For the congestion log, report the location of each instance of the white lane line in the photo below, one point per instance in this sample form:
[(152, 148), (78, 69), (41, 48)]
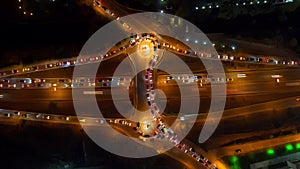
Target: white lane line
[(93, 92)]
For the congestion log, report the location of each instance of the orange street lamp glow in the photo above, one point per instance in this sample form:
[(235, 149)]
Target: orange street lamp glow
[(145, 48)]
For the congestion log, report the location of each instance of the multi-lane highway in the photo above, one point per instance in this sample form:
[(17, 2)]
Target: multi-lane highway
[(247, 85), (44, 92)]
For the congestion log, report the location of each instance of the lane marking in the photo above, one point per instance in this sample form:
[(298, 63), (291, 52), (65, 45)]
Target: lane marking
[(93, 92)]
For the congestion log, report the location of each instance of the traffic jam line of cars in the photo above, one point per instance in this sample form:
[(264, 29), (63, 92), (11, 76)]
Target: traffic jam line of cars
[(79, 82), (15, 114), (161, 131), (226, 57)]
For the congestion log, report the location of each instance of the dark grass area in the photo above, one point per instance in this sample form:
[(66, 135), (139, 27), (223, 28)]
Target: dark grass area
[(37, 145)]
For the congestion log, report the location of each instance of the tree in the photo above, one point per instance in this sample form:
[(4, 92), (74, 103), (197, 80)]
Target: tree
[(293, 43)]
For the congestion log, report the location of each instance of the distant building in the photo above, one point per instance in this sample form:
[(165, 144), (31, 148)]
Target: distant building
[(291, 161)]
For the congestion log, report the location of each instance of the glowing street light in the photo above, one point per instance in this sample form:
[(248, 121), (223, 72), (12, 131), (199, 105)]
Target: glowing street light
[(234, 159), (289, 147), (270, 152)]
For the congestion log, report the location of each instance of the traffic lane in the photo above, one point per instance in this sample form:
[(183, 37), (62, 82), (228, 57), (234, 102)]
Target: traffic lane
[(250, 119), (136, 23), (113, 6), (231, 128), (255, 81), (42, 101), (184, 158), (106, 68), (61, 101), (259, 145), (174, 152), (224, 139), (57, 94), (275, 106), (127, 131), (106, 107)]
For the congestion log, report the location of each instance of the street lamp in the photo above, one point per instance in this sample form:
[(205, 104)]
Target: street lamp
[(233, 47)]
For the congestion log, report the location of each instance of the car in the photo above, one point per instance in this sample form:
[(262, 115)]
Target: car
[(27, 115), (155, 108), (148, 96), (38, 116), (15, 71), (17, 113), (146, 77), (47, 117), (198, 159), (97, 2), (192, 149), (144, 35), (202, 157), (238, 150), (7, 114), (229, 79)]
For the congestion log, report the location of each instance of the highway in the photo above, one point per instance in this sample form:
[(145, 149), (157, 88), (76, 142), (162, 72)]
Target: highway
[(256, 83), (253, 95)]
